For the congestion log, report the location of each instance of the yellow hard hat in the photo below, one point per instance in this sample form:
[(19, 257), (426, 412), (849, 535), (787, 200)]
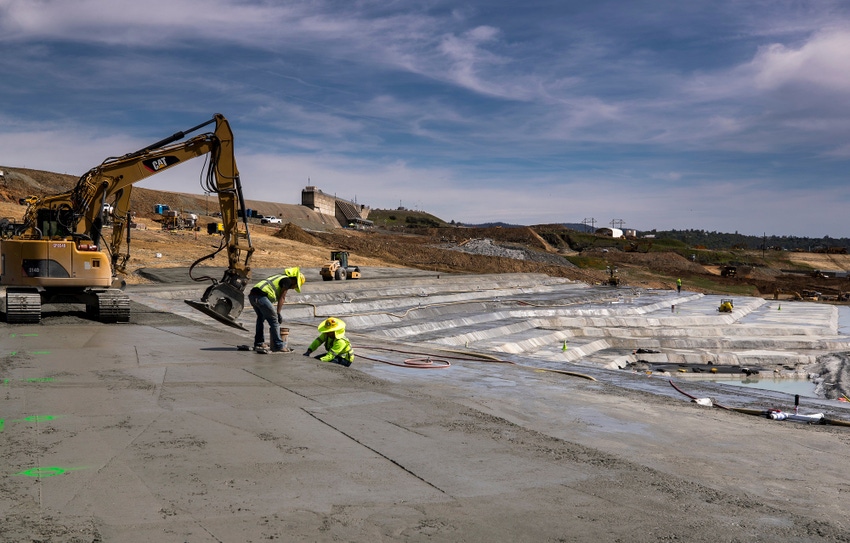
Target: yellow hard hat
[(331, 324), (296, 274)]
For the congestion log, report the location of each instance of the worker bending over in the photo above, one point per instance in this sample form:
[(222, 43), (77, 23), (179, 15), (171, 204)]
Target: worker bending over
[(267, 294), (332, 334)]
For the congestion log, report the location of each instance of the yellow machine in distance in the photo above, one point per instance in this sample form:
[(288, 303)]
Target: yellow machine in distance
[(338, 268)]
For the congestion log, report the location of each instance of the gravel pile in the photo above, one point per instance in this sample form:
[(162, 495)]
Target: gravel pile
[(831, 374), (486, 247)]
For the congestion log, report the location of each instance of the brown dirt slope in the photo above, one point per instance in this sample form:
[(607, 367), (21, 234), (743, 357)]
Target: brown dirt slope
[(308, 237), (292, 232), (522, 235), (419, 252)]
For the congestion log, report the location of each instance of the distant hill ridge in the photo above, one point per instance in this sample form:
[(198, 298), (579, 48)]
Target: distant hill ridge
[(19, 182)]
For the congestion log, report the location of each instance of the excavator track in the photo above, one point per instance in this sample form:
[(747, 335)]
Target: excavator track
[(23, 307), (113, 305)]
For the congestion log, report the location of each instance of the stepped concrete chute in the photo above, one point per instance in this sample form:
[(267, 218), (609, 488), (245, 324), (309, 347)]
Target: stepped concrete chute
[(531, 318)]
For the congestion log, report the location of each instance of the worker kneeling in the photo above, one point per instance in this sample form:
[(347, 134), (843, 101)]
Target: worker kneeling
[(332, 334)]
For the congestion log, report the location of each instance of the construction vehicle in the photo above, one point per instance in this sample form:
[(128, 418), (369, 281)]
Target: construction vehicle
[(613, 276), (58, 253), (728, 271), (175, 220), (726, 305), (338, 268), (810, 295)]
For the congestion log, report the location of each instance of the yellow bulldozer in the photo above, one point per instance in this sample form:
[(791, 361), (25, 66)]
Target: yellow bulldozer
[(338, 268)]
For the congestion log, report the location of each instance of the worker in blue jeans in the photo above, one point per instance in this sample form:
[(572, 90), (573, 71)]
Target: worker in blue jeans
[(267, 298)]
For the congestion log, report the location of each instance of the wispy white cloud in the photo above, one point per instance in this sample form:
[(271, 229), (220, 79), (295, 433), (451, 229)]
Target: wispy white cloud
[(822, 61), (592, 108)]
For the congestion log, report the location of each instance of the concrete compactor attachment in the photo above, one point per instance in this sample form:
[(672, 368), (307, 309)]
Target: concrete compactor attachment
[(222, 302)]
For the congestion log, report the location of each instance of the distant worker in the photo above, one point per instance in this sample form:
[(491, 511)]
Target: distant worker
[(263, 298), (332, 334), (679, 286)]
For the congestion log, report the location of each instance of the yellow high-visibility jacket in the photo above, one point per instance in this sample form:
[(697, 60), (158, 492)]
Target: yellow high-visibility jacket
[(336, 344)]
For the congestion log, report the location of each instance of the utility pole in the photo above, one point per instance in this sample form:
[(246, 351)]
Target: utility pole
[(592, 222), (617, 223)]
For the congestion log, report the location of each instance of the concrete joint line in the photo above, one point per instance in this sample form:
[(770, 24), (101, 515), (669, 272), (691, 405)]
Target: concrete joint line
[(279, 385), (382, 455)]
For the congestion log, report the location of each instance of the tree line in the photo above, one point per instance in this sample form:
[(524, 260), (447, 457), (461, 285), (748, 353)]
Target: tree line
[(724, 240)]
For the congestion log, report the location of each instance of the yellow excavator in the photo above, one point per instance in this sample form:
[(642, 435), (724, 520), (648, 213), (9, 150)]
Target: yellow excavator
[(58, 253)]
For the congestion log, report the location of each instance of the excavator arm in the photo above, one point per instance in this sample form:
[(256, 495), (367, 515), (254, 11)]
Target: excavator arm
[(77, 215)]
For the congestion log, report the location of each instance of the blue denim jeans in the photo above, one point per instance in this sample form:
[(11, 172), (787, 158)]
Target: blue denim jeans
[(266, 313)]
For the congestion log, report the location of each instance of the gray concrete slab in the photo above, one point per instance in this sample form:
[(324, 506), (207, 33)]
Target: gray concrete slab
[(160, 430)]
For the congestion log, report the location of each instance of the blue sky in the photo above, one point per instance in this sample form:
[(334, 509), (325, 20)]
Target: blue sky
[(722, 115)]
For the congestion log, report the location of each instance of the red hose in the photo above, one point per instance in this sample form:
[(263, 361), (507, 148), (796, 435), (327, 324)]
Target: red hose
[(427, 363)]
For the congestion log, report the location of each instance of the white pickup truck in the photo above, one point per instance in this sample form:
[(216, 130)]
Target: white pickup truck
[(271, 220)]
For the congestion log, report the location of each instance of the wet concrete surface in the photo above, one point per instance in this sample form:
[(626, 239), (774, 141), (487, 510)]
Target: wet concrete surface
[(160, 430)]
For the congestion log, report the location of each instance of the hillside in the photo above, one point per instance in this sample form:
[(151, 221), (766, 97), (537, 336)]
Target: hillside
[(420, 240)]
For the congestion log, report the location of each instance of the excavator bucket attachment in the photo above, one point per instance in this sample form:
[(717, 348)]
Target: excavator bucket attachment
[(223, 302)]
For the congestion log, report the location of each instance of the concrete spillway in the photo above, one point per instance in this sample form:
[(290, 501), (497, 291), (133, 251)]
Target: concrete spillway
[(553, 321), (162, 430)]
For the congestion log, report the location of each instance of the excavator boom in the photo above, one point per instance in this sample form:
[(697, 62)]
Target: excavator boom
[(55, 253)]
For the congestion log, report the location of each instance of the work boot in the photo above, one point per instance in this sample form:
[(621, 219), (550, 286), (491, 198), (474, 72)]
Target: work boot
[(284, 350)]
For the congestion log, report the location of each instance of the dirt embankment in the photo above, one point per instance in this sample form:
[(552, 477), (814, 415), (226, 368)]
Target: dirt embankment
[(308, 237), (419, 252)]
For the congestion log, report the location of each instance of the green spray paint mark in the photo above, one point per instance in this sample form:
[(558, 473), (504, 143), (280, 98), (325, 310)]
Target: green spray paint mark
[(6, 381), (49, 471), (36, 418), (42, 472), (23, 335), (32, 418)]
